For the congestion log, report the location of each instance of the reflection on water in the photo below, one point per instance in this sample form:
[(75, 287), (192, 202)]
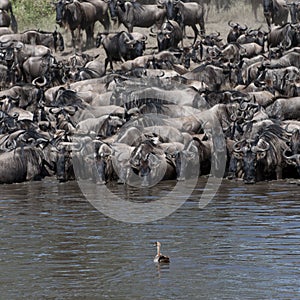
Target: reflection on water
[(243, 245)]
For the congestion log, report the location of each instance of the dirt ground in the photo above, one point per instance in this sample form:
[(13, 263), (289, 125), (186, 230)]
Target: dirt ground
[(217, 22)]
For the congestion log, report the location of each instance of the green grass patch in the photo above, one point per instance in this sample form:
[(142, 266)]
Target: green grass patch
[(38, 14)]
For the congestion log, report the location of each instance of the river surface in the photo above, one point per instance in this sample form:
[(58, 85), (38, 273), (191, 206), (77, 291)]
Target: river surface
[(245, 244)]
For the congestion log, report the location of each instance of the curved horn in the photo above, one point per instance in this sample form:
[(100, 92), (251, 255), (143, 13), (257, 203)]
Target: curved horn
[(160, 3), (74, 146), (39, 84), (236, 146), (11, 144), (15, 98), (144, 38), (55, 110), (231, 24), (19, 45), (215, 35), (130, 42), (70, 109), (152, 31), (259, 149), (15, 115), (243, 106), (243, 28), (294, 156)]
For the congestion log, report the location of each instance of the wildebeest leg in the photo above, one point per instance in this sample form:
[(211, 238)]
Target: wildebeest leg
[(267, 17), (278, 172), (73, 39), (108, 60), (79, 39), (101, 166), (254, 9), (129, 28), (61, 165), (195, 32), (207, 12), (105, 22), (14, 24), (89, 36), (232, 167), (202, 26)]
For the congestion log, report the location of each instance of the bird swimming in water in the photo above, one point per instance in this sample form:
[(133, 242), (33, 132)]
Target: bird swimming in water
[(159, 258)]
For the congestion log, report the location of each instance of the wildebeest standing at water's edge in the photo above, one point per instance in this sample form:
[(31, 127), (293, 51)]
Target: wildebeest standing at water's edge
[(240, 90)]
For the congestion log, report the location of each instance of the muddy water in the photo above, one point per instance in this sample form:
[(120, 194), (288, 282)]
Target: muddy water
[(245, 244)]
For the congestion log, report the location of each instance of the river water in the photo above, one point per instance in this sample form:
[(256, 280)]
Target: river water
[(245, 244)]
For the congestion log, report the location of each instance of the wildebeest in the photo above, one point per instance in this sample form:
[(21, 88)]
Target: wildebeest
[(169, 36), (285, 108), (53, 40), (151, 164), (290, 58), (262, 157), (118, 47), (73, 15), (275, 11), (22, 164), (235, 32), (39, 66), (7, 6), (102, 11), (215, 77), (287, 36), (134, 14), (186, 14)]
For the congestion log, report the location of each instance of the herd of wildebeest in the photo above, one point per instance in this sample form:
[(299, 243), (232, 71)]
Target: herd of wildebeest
[(144, 112)]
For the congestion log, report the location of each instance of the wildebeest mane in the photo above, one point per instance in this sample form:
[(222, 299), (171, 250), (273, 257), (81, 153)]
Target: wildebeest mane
[(153, 105), (65, 97), (272, 132)]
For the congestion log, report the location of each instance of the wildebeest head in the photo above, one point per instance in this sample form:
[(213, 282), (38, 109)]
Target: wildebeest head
[(250, 153), (60, 7), (8, 123), (267, 6), (64, 165), (103, 161), (235, 31), (146, 161), (171, 8), (182, 160), (292, 159)]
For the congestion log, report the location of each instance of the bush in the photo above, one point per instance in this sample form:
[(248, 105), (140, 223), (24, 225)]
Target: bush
[(38, 14)]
